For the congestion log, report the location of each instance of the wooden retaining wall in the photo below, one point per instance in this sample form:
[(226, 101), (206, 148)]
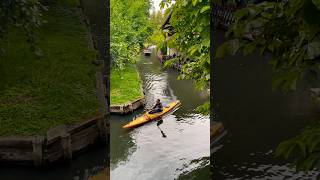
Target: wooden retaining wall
[(216, 129), (60, 143), (21, 149), (128, 107), (216, 132)]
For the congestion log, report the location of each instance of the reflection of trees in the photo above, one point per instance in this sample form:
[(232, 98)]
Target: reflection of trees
[(122, 142)]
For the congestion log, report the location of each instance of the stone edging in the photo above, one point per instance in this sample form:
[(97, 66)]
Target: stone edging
[(127, 107)]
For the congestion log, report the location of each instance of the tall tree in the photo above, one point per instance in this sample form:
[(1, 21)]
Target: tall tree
[(130, 28)]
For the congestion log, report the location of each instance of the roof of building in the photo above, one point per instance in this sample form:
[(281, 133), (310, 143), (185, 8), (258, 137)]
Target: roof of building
[(167, 20)]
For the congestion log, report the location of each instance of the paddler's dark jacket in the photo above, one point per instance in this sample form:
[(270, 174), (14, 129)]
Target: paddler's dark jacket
[(157, 106)]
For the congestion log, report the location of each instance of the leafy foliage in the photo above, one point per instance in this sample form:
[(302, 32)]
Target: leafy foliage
[(130, 28), (289, 30), (158, 36), (204, 108), (304, 148), (191, 22), (23, 14)]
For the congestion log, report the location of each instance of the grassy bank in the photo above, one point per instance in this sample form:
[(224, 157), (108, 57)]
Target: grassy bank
[(37, 93), (124, 85)]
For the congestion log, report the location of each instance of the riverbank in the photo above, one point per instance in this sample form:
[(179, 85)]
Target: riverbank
[(41, 92), (125, 85)]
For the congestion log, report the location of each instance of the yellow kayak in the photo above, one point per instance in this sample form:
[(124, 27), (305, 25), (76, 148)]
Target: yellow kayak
[(146, 117)]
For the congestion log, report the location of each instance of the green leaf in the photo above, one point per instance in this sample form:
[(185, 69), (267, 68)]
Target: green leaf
[(313, 50), (316, 3), (204, 108), (169, 63), (234, 46), (204, 9), (194, 2), (221, 50), (248, 49), (241, 13)]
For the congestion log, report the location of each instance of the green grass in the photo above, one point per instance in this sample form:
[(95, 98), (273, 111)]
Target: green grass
[(124, 85), (38, 93)]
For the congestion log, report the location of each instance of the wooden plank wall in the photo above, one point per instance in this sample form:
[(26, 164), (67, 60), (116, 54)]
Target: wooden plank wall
[(60, 143)]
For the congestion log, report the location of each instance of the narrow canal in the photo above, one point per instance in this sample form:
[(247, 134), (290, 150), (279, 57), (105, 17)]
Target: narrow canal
[(143, 153), (257, 119)]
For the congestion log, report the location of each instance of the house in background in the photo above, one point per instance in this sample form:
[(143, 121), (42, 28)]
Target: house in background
[(169, 31)]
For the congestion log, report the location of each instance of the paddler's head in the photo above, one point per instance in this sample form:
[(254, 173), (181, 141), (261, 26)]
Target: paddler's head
[(158, 100)]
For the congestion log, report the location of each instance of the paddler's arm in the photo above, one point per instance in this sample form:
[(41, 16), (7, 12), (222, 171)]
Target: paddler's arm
[(154, 106)]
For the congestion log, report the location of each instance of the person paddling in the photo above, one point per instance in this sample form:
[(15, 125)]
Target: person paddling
[(157, 107)]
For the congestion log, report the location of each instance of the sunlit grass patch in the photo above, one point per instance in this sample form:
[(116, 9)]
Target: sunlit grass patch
[(124, 85)]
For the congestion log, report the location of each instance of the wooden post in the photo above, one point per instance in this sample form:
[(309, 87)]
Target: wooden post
[(131, 107), (101, 93), (102, 104), (66, 145), (37, 146), (121, 110), (102, 127)]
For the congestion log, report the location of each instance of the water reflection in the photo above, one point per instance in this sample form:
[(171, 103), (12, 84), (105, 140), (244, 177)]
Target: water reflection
[(159, 122), (80, 168), (257, 119)]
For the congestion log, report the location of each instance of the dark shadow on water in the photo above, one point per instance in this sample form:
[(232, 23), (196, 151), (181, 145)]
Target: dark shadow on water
[(159, 122), (79, 168)]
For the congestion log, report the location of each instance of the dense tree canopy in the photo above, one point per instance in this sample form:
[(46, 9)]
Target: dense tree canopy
[(130, 28), (290, 32), (191, 22), (24, 14)]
